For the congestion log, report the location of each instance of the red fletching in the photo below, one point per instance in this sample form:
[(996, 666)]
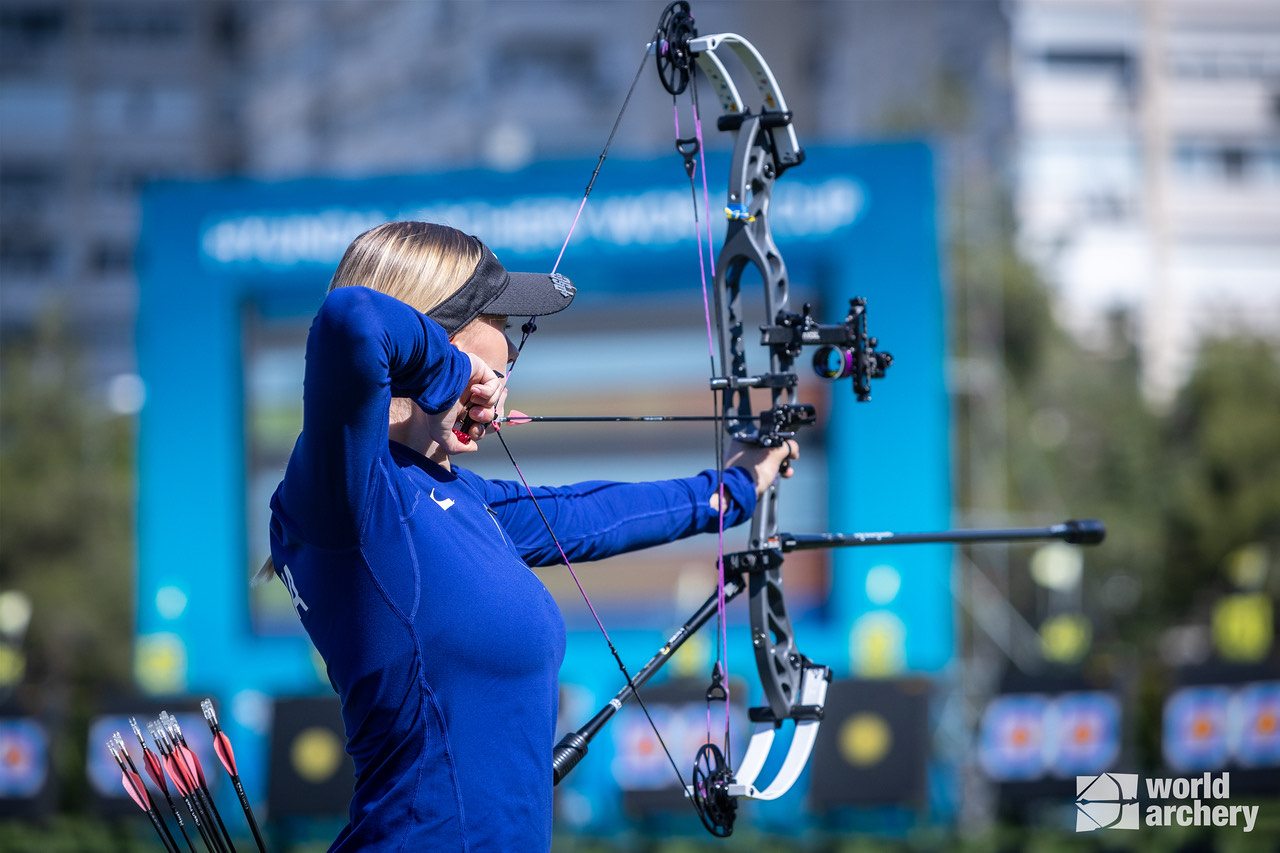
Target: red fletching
[(178, 774), (155, 770), (222, 746), (133, 787), (193, 764)]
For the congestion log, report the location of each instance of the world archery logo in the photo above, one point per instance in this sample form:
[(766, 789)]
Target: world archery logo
[(1107, 801), (562, 284)]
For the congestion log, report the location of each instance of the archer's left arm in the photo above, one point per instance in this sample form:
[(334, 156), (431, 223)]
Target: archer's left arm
[(599, 519)]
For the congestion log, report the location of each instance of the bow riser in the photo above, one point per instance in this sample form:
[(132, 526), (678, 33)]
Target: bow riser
[(755, 165)]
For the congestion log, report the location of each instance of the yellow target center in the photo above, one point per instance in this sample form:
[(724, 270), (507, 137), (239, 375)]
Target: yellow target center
[(865, 739), (316, 754)]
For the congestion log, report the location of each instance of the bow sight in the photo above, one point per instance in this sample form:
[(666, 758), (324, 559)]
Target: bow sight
[(845, 349)]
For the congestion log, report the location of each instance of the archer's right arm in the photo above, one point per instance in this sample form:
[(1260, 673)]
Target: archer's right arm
[(364, 348)]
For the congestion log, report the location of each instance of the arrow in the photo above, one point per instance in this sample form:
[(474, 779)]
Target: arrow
[(137, 791), (156, 771), (222, 746), (188, 759)]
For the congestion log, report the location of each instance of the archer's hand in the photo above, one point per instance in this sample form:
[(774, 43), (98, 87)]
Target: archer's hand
[(482, 402), (763, 463)]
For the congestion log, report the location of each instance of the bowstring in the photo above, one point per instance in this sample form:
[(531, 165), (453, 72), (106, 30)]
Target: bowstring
[(604, 152), (613, 650), (719, 442), (527, 330), (722, 645)]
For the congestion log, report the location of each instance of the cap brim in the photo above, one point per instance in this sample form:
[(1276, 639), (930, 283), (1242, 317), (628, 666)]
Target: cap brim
[(531, 294)]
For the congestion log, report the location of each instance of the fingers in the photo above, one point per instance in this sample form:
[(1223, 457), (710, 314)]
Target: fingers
[(481, 372), (765, 464), (790, 449), (452, 441), (484, 396), (480, 415), (480, 405)]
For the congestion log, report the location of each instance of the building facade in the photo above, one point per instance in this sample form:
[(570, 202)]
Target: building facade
[(1149, 167), (96, 99)]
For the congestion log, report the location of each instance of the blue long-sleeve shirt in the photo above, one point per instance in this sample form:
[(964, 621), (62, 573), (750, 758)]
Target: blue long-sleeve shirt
[(413, 583)]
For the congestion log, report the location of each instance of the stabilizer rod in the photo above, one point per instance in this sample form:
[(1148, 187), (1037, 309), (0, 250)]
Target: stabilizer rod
[(1086, 531), (572, 748)]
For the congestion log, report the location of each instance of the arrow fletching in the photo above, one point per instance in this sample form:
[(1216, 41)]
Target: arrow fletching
[(221, 743), (185, 755), (172, 765), (131, 781), (192, 761), (155, 770), (134, 788), (177, 774), (222, 746)]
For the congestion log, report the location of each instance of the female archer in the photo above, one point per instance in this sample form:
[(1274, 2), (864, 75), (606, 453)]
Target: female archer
[(411, 574)]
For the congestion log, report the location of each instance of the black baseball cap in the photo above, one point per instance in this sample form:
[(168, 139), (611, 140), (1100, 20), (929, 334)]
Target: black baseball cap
[(493, 290)]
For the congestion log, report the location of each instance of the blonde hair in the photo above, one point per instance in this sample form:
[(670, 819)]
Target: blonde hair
[(419, 263)]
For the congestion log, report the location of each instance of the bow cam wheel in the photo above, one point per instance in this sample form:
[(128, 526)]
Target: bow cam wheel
[(711, 780), (675, 63)]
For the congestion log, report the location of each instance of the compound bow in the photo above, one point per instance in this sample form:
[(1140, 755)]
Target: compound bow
[(794, 687)]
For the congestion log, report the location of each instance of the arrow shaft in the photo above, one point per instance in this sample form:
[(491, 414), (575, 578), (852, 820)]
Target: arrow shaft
[(563, 419), (248, 813)]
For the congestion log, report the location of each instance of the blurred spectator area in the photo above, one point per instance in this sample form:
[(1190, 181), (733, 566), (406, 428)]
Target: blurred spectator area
[(98, 98), (1140, 141)]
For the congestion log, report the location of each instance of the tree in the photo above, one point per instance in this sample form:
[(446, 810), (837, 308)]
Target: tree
[(66, 530), (1222, 443)]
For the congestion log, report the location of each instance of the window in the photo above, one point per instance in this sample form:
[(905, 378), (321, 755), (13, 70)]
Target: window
[(28, 33), (26, 254), (1095, 61), (26, 184), (1228, 161), (140, 25), (110, 259)]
